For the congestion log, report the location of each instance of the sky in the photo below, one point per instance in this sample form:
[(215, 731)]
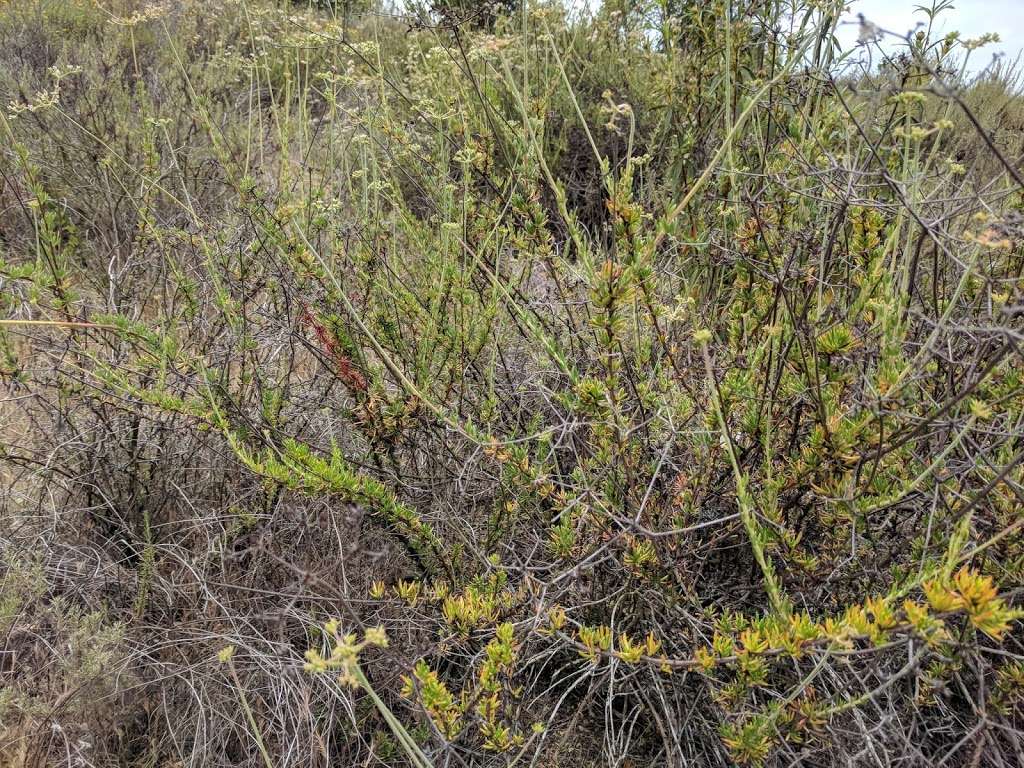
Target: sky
[(972, 18)]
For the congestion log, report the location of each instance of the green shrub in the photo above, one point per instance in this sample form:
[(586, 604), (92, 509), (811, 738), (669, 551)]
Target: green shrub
[(650, 378)]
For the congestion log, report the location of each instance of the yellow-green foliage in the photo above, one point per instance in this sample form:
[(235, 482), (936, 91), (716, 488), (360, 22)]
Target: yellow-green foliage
[(641, 383)]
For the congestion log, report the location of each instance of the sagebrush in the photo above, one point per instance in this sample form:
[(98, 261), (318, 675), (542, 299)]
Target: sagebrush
[(511, 383)]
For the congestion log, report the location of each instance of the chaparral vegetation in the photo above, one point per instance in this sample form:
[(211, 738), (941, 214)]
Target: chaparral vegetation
[(521, 383)]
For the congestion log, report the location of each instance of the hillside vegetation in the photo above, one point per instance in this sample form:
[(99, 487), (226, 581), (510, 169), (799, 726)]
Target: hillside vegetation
[(502, 384)]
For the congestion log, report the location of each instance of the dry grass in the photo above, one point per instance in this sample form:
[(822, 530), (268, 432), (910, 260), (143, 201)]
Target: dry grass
[(651, 380)]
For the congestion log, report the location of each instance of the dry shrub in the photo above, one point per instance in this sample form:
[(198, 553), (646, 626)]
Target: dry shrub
[(628, 387)]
